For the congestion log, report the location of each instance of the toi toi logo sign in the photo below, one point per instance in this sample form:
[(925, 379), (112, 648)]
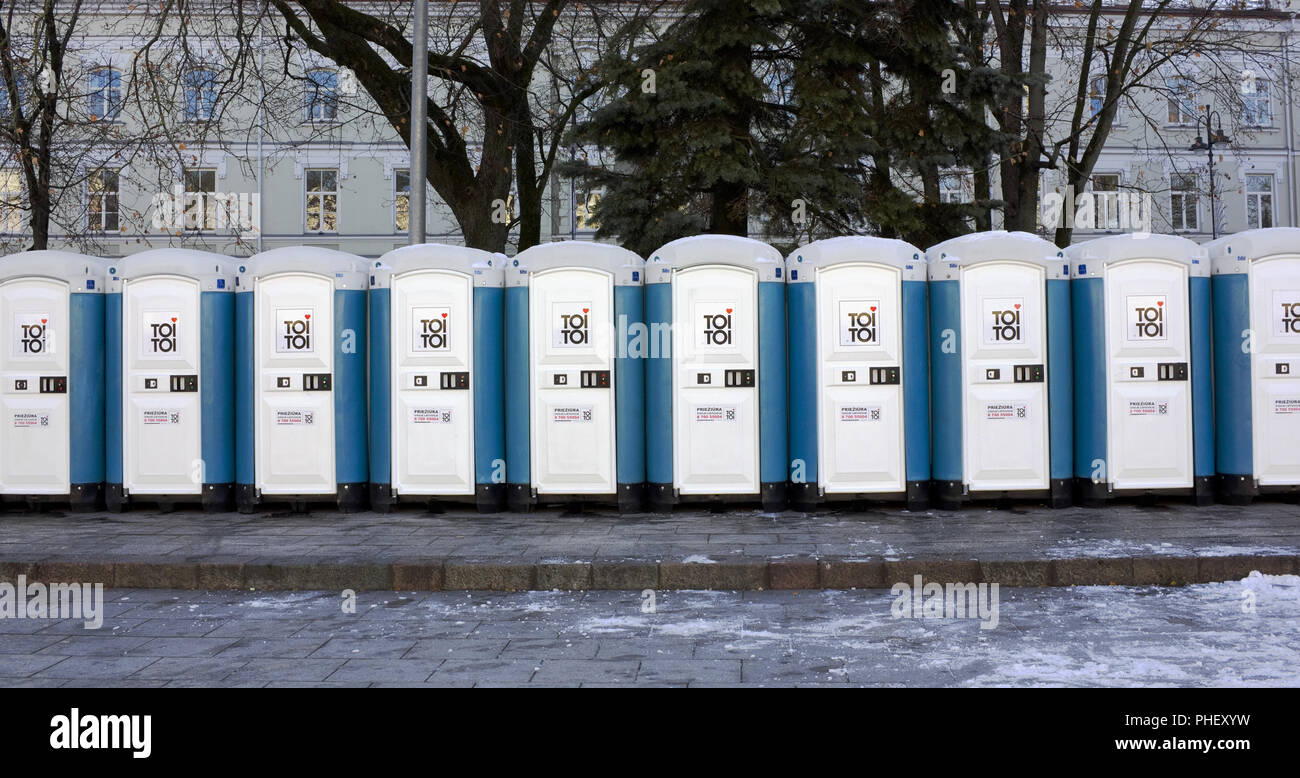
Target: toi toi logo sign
[(716, 329), (293, 335), (1287, 306), (1004, 320), (858, 322), (159, 332), (31, 330), (1146, 317), (572, 325), (431, 329)]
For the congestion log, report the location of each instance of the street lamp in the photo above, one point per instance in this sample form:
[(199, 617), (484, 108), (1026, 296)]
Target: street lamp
[(419, 127), (1212, 136)]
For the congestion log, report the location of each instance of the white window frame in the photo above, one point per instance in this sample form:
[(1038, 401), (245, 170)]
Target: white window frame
[(204, 104), (1262, 94), (1106, 209), (11, 202), (97, 223), (319, 105), (1192, 181), (324, 194), (398, 194), (1176, 85), (1271, 196), (200, 205)]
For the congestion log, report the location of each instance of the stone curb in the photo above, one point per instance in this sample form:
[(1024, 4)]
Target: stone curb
[(734, 574)]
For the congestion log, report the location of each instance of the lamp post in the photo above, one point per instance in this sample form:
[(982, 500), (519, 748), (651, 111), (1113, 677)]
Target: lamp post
[(419, 125), (1212, 136)]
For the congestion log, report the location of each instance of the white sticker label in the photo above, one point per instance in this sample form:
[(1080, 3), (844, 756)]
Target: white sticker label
[(27, 419), (293, 331), (723, 413), (1147, 408), (294, 418), (859, 413), (152, 416), (431, 415), (158, 333), (858, 322), (571, 414), (31, 334), (1006, 411), (430, 329), (1145, 315), (1285, 406)]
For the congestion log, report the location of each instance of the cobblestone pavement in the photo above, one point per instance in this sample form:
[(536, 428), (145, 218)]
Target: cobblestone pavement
[(1228, 634), (1021, 532)]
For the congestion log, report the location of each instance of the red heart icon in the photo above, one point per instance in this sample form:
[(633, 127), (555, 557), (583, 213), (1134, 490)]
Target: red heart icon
[(444, 316), (728, 310), (308, 315), (173, 318), (42, 321), (1017, 306), (584, 310), (873, 307), (1160, 302)]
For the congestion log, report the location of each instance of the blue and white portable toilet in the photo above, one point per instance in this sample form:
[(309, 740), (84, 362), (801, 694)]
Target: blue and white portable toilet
[(170, 358), (1000, 368), (436, 406), (716, 378), (575, 386), (1142, 404), (859, 372), (1256, 279), (52, 379), (300, 378)]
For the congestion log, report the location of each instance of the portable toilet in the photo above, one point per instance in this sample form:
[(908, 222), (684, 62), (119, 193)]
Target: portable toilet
[(436, 405), (716, 377), (1142, 403), (1000, 368), (52, 371), (170, 360), (575, 387), (859, 372), (1256, 279), (300, 378)]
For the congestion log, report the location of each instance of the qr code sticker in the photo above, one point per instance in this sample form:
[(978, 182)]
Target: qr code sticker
[(1020, 413), (731, 414), (586, 414), (446, 416), (176, 418), (1163, 409), (307, 418), (875, 414), (45, 421)]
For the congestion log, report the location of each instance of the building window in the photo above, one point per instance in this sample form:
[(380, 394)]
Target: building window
[(1255, 108), (102, 187), (24, 94), (1105, 197), (200, 94), (402, 200), (1184, 213), (320, 97), (1096, 95), (105, 97), (1182, 101), (956, 188), (11, 201), (1259, 201), (201, 199), (322, 200), (585, 212)]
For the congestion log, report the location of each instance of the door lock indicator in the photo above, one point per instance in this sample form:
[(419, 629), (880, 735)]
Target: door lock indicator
[(560, 379), (316, 382), (54, 384), (992, 374), (184, 383), (420, 380), (849, 376), (739, 378), (1172, 371), (595, 379), (884, 376), (283, 382), (1028, 374), (20, 385), (704, 378), (1283, 368), (454, 381), (151, 383), (1137, 372)]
